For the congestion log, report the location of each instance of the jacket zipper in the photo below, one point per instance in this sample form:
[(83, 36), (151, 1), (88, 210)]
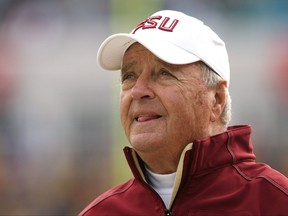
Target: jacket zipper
[(168, 212)]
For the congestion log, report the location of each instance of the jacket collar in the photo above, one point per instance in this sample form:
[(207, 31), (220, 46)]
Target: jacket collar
[(204, 155), (229, 147)]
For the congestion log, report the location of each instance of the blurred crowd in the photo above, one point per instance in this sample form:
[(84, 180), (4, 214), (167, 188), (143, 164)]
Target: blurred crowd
[(60, 136)]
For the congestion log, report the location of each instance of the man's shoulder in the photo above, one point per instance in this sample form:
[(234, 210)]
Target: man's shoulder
[(106, 196), (261, 171)]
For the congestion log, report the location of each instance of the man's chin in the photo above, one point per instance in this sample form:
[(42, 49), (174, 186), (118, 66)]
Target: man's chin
[(146, 142)]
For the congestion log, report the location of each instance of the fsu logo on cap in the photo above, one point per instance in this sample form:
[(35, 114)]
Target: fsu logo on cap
[(157, 22)]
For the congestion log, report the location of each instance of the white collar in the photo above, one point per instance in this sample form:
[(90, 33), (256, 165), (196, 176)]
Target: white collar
[(160, 181)]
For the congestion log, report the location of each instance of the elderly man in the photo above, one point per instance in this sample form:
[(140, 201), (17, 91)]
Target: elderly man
[(175, 107)]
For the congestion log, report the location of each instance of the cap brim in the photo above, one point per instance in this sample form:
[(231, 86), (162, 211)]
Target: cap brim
[(111, 51)]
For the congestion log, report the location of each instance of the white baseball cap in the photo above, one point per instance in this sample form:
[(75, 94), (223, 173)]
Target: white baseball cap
[(172, 36)]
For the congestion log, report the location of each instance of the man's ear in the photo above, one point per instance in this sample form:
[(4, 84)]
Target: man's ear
[(219, 100)]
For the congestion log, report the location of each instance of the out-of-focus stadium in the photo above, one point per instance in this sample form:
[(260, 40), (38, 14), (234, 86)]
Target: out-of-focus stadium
[(60, 133)]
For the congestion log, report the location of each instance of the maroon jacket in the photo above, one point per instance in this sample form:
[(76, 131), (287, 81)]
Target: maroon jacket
[(217, 176)]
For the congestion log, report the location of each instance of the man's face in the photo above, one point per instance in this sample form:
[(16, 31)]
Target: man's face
[(163, 107)]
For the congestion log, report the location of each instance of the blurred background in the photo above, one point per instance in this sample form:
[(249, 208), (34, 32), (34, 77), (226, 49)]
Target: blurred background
[(60, 135)]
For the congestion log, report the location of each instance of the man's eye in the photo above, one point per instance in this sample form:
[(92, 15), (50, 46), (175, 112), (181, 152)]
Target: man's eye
[(127, 76), (165, 72)]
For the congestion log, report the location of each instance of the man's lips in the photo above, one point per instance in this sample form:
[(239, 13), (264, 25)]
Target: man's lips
[(146, 117)]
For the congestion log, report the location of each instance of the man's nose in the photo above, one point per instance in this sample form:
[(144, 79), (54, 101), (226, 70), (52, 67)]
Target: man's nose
[(143, 88)]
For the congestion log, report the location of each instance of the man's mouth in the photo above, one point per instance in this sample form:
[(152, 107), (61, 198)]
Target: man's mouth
[(145, 118)]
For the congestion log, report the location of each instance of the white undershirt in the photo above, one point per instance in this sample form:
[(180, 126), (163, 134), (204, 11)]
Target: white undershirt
[(162, 184)]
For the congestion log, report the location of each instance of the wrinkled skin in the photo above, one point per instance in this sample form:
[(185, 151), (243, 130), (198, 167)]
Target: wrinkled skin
[(164, 107)]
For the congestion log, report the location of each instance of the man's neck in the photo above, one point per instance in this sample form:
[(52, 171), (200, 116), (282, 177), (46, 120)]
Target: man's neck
[(160, 164)]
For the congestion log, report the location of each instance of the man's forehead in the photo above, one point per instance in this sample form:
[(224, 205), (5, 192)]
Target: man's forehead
[(134, 49), (158, 62)]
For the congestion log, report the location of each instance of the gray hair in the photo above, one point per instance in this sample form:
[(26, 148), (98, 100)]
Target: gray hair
[(211, 79)]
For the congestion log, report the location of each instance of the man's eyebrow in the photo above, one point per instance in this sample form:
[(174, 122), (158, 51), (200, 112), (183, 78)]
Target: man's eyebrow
[(127, 66), (166, 64)]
